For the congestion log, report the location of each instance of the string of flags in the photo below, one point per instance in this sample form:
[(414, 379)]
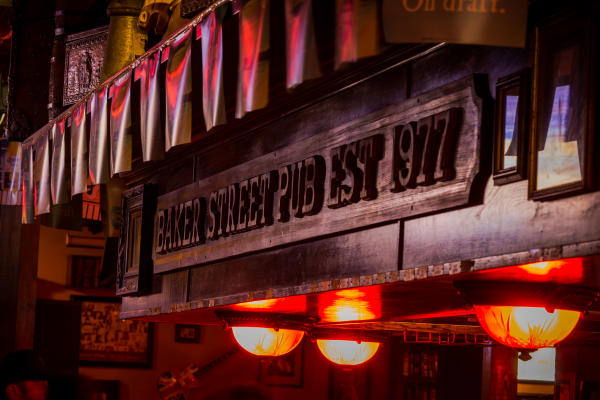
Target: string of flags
[(91, 142)]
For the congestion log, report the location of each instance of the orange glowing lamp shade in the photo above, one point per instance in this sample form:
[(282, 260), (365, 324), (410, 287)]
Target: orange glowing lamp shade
[(267, 341), (526, 327), (347, 352)]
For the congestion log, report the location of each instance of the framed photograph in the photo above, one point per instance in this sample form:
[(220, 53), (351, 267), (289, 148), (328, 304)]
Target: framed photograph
[(348, 383), (285, 370), (98, 389), (187, 333), (561, 147), (107, 340), (511, 133), (84, 271), (134, 259)]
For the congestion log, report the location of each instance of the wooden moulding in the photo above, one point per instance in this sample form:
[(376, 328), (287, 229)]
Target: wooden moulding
[(403, 177), (146, 307), (138, 207)]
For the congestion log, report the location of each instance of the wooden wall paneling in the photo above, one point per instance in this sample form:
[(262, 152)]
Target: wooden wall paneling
[(456, 61), (359, 253), (18, 272), (169, 289), (506, 223)]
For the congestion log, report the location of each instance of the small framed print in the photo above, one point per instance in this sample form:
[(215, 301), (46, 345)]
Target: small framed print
[(107, 340), (187, 333), (286, 370), (85, 271), (134, 259), (350, 383), (561, 146), (511, 133)]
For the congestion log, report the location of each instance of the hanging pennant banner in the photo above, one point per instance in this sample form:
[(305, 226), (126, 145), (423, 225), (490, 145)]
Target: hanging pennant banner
[(79, 150), (42, 175), (491, 23), (148, 73), (213, 102), (301, 47), (253, 66), (27, 186), (120, 124), (356, 30), (178, 90), (10, 173), (60, 172), (97, 107)]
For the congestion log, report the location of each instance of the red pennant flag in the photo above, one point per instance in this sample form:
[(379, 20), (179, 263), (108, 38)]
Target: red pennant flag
[(253, 68)]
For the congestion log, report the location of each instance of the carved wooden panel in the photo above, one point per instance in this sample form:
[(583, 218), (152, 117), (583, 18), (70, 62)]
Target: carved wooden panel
[(84, 57), (412, 158), (134, 262)]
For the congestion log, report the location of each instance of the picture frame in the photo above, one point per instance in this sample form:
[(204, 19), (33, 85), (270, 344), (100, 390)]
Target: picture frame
[(95, 389), (511, 127), (187, 333), (84, 271), (566, 389), (286, 370), (134, 255), (345, 383), (562, 133), (106, 340)]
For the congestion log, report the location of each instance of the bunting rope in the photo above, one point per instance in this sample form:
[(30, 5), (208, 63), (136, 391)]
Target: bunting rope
[(131, 66)]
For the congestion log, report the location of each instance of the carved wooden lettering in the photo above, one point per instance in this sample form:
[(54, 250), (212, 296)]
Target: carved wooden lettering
[(413, 158)]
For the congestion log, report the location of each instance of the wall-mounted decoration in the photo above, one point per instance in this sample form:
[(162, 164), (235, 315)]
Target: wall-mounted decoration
[(188, 333), (84, 271), (510, 141), (286, 370), (98, 389), (134, 263), (563, 126), (349, 383), (107, 340), (84, 57)]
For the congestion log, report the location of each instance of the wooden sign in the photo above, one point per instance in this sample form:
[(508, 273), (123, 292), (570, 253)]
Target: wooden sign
[(484, 22), (408, 159)]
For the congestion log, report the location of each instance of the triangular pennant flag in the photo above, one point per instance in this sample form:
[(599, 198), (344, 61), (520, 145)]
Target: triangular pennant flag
[(253, 67), (79, 150), (213, 102), (99, 137), (301, 47), (151, 125)]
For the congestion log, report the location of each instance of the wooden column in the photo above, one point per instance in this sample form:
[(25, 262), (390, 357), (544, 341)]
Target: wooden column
[(18, 273), (499, 373)]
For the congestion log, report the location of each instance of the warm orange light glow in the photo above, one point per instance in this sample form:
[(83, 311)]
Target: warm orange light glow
[(571, 268), (347, 352), (268, 303), (267, 341), (351, 305), (526, 327)]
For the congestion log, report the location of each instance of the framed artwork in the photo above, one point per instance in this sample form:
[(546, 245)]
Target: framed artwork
[(590, 390), (511, 133), (107, 340), (84, 271), (134, 260), (348, 383), (285, 370), (98, 389), (188, 333), (561, 147)]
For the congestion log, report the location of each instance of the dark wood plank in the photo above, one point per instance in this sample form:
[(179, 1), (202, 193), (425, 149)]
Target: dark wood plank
[(354, 254), (389, 204)]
